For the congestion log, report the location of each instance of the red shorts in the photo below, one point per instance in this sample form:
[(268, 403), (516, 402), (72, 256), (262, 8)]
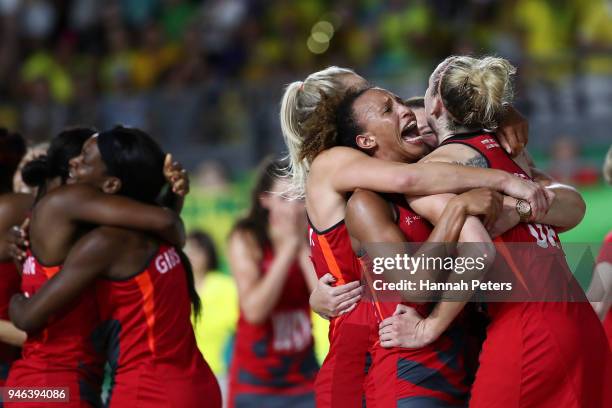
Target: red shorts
[(543, 355), (162, 389), (431, 376), (341, 379)]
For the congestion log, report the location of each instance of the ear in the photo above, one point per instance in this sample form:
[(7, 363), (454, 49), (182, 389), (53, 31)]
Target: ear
[(264, 200), (366, 141), (111, 185), (438, 107)]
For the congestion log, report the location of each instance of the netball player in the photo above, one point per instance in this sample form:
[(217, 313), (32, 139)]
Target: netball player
[(535, 354), (325, 172), (370, 219), (13, 210), (144, 288), (62, 354), (273, 364)]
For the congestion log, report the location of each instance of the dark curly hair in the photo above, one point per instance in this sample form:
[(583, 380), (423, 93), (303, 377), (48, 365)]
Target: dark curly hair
[(332, 124)]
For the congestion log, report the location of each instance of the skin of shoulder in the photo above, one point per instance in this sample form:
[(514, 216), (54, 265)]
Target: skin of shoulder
[(129, 249), (14, 207), (456, 153), (243, 240), (370, 218)]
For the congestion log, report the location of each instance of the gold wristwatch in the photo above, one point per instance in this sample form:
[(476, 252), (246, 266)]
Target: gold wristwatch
[(523, 208)]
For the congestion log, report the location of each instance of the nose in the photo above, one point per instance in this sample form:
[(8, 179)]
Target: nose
[(407, 113), (74, 162)]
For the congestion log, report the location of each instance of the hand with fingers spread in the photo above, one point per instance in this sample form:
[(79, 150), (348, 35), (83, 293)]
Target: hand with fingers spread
[(176, 176), (406, 328), (18, 241), (513, 131), (481, 202), (329, 301)]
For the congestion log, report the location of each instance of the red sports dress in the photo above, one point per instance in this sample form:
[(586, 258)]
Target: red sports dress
[(537, 354), (605, 255), (151, 347), (62, 354), (274, 363), (431, 376), (10, 282), (341, 379)]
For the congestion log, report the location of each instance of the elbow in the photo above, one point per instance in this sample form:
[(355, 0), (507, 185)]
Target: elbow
[(22, 322), (18, 313), (405, 182), (173, 229), (580, 211)]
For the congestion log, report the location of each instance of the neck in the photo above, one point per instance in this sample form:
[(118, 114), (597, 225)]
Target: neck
[(446, 130)]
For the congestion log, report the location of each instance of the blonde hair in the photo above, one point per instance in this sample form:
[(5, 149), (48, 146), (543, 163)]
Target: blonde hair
[(298, 104), (474, 90), (607, 167)]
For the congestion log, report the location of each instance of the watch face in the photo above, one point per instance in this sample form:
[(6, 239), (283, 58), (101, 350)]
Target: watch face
[(523, 207)]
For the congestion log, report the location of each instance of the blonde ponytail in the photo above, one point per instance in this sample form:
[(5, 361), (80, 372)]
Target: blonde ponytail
[(298, 104), (297, 167), (475, 90)]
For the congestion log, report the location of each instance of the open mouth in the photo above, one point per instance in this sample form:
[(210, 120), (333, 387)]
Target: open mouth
[(410, 133)]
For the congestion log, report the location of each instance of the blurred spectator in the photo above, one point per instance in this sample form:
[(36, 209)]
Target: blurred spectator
[(41, 115), (567, 166), (216, 325), (211, 176), (210, 72)]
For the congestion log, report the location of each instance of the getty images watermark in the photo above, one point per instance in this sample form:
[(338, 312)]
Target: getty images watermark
[(482, 272)]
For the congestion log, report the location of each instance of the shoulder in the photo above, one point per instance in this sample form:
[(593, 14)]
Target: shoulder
[(336, 156), (458, 154), (16, 201), (14, 207), (67, 193), (106, 238), (365, 203), (242, 238)]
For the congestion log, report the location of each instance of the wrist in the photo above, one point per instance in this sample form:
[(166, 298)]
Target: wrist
[(456, 204), (433, 329), (510, 209), (505, 182)]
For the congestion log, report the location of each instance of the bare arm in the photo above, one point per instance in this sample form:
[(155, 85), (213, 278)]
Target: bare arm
[(310, 276), (259, 293), (429, 329), (349, 169), (566, 210), (9, 334), (568, 206), (87, 260), (85, 204)]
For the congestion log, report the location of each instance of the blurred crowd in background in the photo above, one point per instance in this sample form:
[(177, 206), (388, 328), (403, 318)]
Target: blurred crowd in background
[(205, 78)]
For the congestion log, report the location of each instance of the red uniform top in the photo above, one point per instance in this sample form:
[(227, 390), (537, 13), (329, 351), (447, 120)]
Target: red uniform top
[(276, 356), (416, 229), (331, 252), (544, 236), (10, 282), (433, 373), (539, 353), (63, 353), (150, 342)]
